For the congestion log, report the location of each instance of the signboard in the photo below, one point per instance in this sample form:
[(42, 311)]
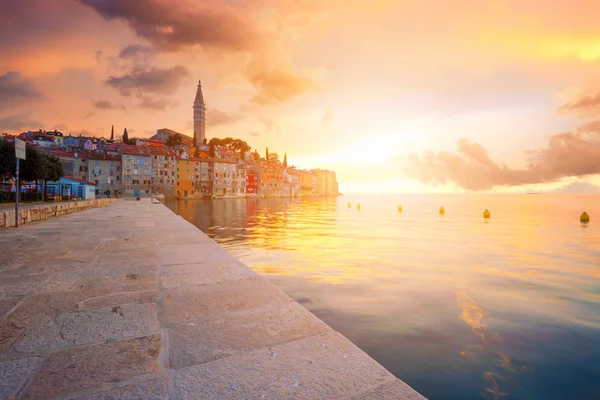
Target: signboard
[(20, 149)]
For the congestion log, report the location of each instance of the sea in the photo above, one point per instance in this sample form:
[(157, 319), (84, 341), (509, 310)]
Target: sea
[(456, 305)]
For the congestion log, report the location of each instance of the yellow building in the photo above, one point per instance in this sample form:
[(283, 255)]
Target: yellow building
[(185, 178)]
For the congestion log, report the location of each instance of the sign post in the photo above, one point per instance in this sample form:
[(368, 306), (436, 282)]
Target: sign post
[(20, 155)]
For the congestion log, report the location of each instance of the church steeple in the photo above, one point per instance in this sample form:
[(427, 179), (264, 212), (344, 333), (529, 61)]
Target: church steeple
[(199, 115)]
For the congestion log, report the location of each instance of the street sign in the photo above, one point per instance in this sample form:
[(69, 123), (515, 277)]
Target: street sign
[(20, 149)]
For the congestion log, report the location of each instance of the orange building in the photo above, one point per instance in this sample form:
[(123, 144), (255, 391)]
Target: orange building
[(184, 178)]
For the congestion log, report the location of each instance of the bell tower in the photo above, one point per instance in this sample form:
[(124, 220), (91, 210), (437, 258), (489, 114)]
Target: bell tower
[(199, 115)]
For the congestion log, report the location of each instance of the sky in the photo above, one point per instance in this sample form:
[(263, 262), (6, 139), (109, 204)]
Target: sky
[(395, 96)]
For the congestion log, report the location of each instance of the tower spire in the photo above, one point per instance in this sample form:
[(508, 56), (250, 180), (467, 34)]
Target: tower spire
[(199, 116), (199, 97)]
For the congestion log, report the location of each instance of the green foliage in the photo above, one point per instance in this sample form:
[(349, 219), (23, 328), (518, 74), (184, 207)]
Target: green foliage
[(7, 160), (235, 145), (174, 140), (125, 137), (37, 165), (272, 157)]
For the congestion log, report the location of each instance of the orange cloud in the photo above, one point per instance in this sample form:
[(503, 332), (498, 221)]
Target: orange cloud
[(568, 154)]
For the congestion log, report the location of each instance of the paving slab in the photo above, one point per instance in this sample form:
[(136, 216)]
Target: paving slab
[(187, 304), (174, 276), (92, 366), (323, 366), (87, 327), (154, 388), (14, 375), (240, 331)]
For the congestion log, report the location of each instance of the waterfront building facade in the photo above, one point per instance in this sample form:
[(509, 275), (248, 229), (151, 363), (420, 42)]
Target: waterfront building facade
[(136, 169)]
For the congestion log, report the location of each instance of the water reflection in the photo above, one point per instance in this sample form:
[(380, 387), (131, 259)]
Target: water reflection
[(459, 306)]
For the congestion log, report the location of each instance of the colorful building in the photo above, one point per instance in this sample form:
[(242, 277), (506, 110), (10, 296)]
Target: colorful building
[(136, 169), (184, 178)]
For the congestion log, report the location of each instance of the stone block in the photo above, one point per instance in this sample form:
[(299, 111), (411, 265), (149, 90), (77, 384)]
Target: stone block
[(393, 390), (154, 388), (193, 253), (90, 326), (14, 375), (7, 304), (209, 339), (318, 367), (203, 273), (113, 299), (187, 304), (89, 367)]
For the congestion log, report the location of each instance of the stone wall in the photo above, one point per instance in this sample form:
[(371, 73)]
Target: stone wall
[(46, 211)]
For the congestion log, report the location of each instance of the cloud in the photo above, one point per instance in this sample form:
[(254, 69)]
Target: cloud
[(578, 187), (89, 115), (216, 117), (105, 105), (155, 104), (255, 134), (154, 80), (15, 89), (134, 51), (568, 154), (18, 122), (237, 29), (585, 105), (98, 56)]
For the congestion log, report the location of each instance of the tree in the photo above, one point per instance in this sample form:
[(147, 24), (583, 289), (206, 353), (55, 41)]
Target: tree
[(54, 170), (174, 140), (205, 141), (125, 137), (256, 155), (112, 133), (195, 142), (267, 155), (285, 160), (273, 157), (211, 149), (7, 160)]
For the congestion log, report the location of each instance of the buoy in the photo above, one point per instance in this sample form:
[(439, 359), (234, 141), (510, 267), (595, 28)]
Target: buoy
[(584, 217), (442, 210), (486, 213), (358, 206), (399, 208), (304, 202), (349, 205)]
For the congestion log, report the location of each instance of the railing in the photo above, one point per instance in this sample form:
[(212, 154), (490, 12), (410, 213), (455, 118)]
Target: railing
[(9, 197)]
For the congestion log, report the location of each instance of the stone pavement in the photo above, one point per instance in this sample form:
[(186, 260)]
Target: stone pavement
[(131, 301)]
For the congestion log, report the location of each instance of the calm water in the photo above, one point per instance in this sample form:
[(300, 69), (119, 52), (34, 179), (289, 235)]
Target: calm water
[(455, 306)]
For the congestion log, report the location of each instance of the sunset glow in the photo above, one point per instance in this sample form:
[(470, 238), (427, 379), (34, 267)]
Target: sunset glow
[(395, 96)]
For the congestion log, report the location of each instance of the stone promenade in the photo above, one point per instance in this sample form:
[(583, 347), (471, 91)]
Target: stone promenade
[(131, 301)]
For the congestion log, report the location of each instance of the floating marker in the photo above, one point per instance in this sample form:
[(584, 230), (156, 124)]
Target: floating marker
[(399, 208), (358, 206), (442, 210), (304, 202), (584, 217), (486, 213), (349, 205)]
